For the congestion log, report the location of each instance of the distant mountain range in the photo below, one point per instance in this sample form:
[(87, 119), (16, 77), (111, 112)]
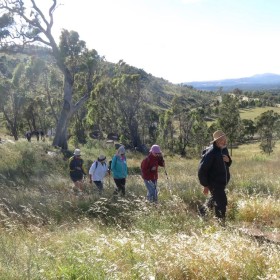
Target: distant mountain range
[(266, 81)]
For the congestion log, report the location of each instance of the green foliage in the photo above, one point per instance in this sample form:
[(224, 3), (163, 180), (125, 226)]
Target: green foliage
[(6, 20), (268, 128), (24, 160), (70, 45), (229, 119), (253, 112)]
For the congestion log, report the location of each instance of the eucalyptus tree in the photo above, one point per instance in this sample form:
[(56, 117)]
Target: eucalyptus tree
[(249, 129), (35, 103), (149, 125), (268, 127), (43, 84), (117, 103), (166, 130), (229, 119), (12, 100), (200, 133), (24, 23), (185, 115)]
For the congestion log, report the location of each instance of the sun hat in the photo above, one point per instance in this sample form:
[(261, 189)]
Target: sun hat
[(217, 135), (101, 157), (77, 152), (155, 149)]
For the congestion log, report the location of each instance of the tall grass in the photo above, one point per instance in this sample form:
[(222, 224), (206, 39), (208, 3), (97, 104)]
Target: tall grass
[(85, 251), (48, 233)]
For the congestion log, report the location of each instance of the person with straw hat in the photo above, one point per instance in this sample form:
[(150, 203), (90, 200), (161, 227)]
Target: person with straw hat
[(214, 175), (97, 172)]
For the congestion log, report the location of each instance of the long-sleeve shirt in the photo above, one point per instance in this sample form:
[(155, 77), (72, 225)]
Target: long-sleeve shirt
[(149, 167), (119, 167), (213, 171), (98, 171), (76, 166)]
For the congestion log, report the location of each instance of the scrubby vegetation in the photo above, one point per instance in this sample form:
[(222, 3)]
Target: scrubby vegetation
[(48, 233)]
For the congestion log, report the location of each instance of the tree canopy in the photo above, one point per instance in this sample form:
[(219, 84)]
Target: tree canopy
[(23, 23)]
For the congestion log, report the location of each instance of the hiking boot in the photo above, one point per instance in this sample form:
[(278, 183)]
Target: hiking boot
[(222, 222), (202, 211)]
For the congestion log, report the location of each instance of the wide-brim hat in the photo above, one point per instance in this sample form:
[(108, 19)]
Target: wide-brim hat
[(217, 135), (77, 152), (155, 149), (101, 157)]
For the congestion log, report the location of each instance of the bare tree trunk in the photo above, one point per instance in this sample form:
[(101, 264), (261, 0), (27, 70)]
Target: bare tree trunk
[(13, 125), (49, 100), (135, 138), (61, 133)]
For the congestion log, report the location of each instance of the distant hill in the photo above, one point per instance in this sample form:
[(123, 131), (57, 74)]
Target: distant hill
[(159, 92), (266, 81)]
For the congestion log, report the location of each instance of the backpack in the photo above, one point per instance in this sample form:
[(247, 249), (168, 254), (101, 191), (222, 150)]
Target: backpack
[(109, 165), (204, 152), (96, 163)]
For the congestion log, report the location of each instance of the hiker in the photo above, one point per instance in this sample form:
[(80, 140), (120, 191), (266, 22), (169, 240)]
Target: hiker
[(149, 170), (119, 170), (28, 136), (42, 134), (213, 174), (97, 172), (36, 133), (77, 170)]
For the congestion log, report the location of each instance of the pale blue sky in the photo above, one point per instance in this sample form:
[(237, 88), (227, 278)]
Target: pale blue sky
[(180, 40)]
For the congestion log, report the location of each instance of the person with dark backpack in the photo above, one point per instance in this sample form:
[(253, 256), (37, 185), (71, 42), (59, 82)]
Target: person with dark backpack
[(149, 170), (214, 175), (97, 172)]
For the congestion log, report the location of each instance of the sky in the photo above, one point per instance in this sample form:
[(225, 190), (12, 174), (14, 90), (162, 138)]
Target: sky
[(179, 40)]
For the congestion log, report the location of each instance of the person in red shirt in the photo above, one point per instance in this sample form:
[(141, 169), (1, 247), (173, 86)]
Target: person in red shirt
[(149, 169)]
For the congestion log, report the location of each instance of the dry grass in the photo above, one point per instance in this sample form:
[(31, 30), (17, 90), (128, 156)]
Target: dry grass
[(87, 251), (47, 233)]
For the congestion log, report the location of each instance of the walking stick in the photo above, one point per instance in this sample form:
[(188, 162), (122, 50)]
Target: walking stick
[(167, 180), (109, 171), (166, 173)]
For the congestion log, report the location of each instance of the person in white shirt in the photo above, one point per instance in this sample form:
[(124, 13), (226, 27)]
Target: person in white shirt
[(97, 172)]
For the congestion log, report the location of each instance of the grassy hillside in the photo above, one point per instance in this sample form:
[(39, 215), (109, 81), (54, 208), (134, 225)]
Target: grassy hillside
[(159, 91), (252, 113), (48, 233)]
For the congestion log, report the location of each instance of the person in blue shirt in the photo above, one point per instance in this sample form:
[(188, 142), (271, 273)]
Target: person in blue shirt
[(119, 170)]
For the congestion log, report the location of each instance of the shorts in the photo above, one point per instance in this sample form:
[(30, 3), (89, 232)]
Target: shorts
[(75, 177)]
